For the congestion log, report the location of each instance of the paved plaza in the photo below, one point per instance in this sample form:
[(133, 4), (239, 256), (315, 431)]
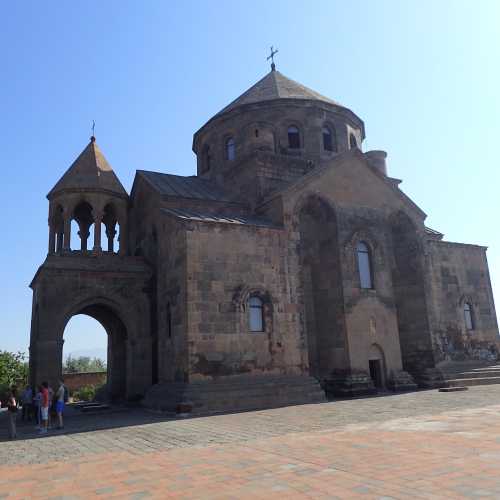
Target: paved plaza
[(418, 445)]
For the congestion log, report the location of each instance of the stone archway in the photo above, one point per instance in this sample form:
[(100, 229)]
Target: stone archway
[(116, 346), (321, 281), (113, 291), (409, 284)]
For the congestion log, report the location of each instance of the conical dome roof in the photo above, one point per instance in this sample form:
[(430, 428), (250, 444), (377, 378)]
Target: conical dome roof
[(91, 172), (273, 86)]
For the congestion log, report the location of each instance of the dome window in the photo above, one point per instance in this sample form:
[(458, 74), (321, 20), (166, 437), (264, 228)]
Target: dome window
[(353, 143), (293, 137), (230, 149), (329, 140)]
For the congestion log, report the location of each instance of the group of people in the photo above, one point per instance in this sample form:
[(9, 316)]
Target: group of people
[(39, 404)]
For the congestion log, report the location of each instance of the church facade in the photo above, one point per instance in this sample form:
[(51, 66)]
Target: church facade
[(289, 265)]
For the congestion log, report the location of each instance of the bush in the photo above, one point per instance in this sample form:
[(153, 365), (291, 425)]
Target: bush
[(86, 393)]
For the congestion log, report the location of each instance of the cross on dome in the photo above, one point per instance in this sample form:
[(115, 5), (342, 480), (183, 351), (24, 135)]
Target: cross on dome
[(273, 66)]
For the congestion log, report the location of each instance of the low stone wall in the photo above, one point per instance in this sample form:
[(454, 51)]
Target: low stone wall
[(74, 381)]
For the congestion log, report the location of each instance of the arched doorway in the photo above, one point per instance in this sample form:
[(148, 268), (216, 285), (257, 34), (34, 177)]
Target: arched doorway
[(322, 287), (116, 366)]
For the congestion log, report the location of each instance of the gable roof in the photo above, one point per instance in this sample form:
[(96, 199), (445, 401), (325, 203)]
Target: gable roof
[(320, 170), (90, 171), (185, 187), (273, 86)]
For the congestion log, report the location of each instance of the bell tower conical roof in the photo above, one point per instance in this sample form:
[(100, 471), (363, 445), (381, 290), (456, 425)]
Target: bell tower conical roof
[(89, 172)]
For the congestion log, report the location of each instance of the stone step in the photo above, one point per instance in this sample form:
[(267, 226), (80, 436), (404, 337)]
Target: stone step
[(473, 374), (236, 394), (228, 382), (96, 408), (468, 382), (246, 393), (256, 403)]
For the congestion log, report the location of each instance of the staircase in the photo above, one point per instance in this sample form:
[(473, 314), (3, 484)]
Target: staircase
[(470, 373)]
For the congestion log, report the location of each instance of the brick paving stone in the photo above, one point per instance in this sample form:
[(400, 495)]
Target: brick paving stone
[(419, 445)]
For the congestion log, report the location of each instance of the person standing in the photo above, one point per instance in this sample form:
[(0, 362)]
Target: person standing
[(60, 400), (26, 401), (44, 409), (12, 413), (37, 405), (51, 406)]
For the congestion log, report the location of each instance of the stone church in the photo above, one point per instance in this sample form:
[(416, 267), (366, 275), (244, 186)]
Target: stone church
[(290, 265)]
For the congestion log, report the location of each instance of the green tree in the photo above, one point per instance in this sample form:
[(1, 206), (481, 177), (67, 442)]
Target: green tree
[(83, 364), (13, 371)]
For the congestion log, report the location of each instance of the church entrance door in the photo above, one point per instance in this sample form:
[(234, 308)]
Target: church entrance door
[(376, 373)]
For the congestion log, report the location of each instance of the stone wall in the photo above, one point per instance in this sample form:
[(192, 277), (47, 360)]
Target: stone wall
[(226, 264), (460, 275), (364, 202), (74, 381)]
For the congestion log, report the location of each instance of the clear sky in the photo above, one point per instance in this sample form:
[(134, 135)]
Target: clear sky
[(423, 75)]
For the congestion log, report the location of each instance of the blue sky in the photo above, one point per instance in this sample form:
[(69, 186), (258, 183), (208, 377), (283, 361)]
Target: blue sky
[(423, 75)]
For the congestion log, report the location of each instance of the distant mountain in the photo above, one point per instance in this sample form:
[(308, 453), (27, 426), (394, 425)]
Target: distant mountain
[(91, 353)]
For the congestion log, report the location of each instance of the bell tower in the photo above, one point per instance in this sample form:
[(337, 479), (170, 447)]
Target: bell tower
[(92, 273), (91, 194)]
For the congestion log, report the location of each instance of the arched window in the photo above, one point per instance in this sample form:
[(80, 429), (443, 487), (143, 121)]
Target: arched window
[(256, 311), (353, 143), (364, 265), (468, 316), (230, 149), (293, 137), (329, 140)]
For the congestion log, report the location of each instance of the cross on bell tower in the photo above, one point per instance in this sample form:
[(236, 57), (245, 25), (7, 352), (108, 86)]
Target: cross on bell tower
[(273, 66)]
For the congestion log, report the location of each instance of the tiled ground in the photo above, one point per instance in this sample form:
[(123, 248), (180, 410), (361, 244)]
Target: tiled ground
[(420, 445)]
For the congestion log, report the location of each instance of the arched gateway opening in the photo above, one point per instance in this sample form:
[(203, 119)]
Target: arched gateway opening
[(116, 384)]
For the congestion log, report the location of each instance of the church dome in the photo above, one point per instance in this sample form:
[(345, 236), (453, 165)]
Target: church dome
[(280, 116), (275, 86)]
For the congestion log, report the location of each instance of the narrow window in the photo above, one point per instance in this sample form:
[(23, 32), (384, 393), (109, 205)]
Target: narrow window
[(256, 314), (327, 139), (169, 321), (230, 149), (293, 137), (364, 265), (469, 320), (206, 159), (353, 143)]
